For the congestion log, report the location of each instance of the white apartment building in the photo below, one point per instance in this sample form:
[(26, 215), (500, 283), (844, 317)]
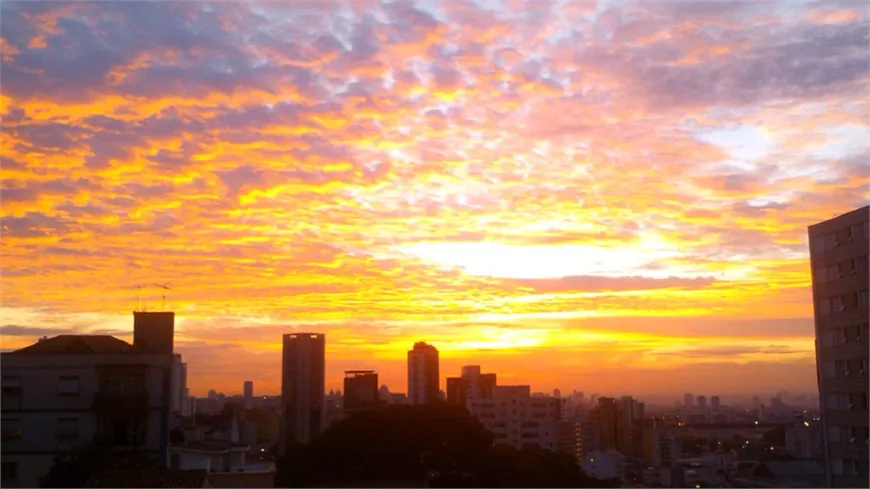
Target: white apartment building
[(517, 418), (72, 390)]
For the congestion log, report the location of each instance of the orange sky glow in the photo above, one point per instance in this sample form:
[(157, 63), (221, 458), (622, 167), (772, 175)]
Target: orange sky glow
[(596, 195)]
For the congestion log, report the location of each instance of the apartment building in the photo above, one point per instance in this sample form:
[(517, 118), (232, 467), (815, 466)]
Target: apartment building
[(423, 378), (72, 390), (839, 262), (517, 418)]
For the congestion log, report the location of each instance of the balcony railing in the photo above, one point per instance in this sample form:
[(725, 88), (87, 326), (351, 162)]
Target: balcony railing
[(123, 401)]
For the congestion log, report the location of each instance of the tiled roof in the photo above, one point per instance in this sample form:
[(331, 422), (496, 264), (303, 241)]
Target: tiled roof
[(68, 344), (157, 477)]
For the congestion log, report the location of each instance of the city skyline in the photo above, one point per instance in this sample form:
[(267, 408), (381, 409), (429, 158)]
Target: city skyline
[(562, 192)]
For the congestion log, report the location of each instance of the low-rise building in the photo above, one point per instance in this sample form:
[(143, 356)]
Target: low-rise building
[(72, 390)]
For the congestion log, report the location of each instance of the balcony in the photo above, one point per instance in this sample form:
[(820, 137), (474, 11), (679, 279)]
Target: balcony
[(121, 401)]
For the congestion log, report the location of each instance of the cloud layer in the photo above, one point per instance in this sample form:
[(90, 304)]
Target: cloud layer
[(488, 176)]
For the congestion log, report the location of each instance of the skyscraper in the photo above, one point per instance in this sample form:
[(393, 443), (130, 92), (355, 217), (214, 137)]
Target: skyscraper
[(423, 379), (838, 258), (302, 387), (249, 394), (714, 402), (688, 399)]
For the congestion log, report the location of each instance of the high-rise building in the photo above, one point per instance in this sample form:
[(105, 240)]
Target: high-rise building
[(839, 261), (178, 394), (688, 399), (628, 439), (302, 387), (423, 379), (714, 402), (702, 402), (608, 418), (360, 389), (249, 394)]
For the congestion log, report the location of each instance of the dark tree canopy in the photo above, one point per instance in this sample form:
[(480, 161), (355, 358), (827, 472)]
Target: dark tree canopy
[(74, 469), (442, 444)]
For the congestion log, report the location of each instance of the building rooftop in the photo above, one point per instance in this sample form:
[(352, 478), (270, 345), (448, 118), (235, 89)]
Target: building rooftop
[(209, 446), (156, 477), (68, 344)]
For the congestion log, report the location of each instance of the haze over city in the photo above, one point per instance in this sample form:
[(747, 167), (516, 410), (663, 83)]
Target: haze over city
[(608, 196)]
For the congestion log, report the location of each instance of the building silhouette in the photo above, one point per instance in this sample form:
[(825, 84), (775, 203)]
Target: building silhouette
[(69, 389), (838, 258), (302, 387), (423, 379), (249, 394), (360, 389)]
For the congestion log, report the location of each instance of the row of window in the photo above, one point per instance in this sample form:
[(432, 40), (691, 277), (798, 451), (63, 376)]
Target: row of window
[(840, 303), (847, 402), (846, 368), (65, 427), (832, 241), (849, 434), (845, 268), (849, 467), (858, 333)]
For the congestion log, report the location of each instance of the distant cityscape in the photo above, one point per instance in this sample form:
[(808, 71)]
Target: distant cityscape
[(67, 390)]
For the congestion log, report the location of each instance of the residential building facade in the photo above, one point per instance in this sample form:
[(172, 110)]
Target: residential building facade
[(839, 263), (73, 390)]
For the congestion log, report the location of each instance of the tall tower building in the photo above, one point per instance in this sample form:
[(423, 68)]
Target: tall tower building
[(423, 379), (302, 387), (249, 394), (838, 258), (688, 399)]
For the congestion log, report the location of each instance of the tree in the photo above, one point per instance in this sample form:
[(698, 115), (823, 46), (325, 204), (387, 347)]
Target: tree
[(441, 444), (74, 469)]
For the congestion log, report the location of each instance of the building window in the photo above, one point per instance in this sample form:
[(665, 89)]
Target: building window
[(824, 306), (831, 242), (9, 471), (67, 428), (859, 265), (11, 399), (837, 466), (68, 385), (11, 428), (838, 303), (863, 299)]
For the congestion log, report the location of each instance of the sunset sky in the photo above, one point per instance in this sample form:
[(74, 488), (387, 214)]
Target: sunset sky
[(609, 196)]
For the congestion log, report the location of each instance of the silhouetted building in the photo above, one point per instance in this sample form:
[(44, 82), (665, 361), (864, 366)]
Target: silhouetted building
[(249, 394), (62, 391), (423, 379), (839, 261), (688, 399), (608, 417), (302, 387), (360, 389), (470, 385), (714, 402), (702, 402), (178, 402)]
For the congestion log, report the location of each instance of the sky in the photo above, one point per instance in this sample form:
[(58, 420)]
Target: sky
[(604, 196)]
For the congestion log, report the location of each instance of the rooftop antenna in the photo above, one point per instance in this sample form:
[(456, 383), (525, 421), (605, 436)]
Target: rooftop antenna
[(165, 288)]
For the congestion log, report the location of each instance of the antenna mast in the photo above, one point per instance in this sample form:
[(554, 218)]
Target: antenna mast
[(165, 288)]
